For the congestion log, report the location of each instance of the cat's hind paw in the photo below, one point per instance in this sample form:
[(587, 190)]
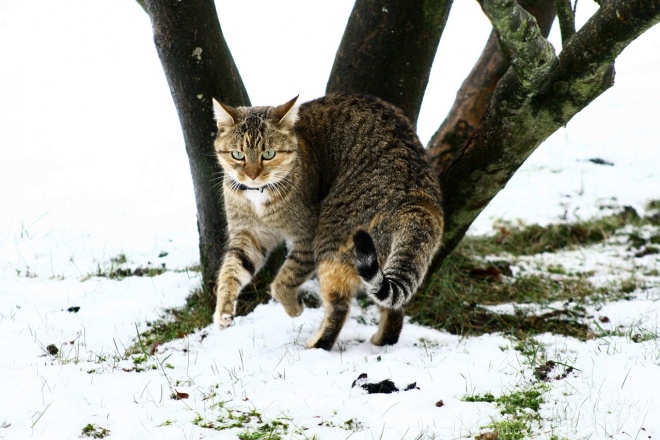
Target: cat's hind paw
[(223, 320), (309, 298)]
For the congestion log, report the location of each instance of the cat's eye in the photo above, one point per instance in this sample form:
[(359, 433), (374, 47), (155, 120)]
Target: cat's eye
[(268, 154), (237, 155)]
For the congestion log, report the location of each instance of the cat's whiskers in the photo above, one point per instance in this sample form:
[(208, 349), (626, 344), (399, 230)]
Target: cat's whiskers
[(233, 184), (277, 190), (218, 180), (288, 179)]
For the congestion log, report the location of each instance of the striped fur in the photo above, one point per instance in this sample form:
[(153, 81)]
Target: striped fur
[(345, 182)]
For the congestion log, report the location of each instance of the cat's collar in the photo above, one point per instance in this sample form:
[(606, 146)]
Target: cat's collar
[(241, 187)]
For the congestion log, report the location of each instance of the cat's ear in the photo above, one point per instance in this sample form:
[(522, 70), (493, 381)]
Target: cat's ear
[(225, 115), (287, 114)]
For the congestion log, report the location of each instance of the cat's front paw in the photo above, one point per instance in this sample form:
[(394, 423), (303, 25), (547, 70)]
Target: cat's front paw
[(293, 309), (291, 306), (223, 320)]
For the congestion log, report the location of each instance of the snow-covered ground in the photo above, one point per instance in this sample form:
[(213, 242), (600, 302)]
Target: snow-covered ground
[(93, 170)]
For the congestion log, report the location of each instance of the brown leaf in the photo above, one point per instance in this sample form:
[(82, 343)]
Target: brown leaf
[(489, 272), (180, 396), (488, 436), (503, 234), (154, 348)]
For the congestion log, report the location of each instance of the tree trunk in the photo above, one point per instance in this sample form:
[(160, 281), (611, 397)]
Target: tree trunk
[(199, 66), (387, 50), (537, 96)]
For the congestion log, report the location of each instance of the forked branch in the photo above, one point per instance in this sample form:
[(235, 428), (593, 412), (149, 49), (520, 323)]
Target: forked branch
[(535, 99), (477, 90)]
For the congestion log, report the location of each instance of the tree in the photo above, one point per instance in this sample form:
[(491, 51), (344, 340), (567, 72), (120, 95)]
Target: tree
[(199, 66), (519, 92)]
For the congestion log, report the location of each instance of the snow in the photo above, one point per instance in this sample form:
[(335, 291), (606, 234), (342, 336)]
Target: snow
[(93, 171)]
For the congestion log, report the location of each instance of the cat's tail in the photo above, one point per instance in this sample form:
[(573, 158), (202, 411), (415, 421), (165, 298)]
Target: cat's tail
[(389, 289)]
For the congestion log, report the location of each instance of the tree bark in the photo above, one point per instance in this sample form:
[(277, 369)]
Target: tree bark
[(387, 50), (566, 17), (199, 66), (536, 97), (477, 90)]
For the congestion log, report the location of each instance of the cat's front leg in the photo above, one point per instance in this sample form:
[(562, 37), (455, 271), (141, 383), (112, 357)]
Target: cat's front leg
[(297, 268), (243, 259)]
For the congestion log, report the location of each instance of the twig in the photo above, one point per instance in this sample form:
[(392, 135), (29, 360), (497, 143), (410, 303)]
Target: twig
[(566, 17)]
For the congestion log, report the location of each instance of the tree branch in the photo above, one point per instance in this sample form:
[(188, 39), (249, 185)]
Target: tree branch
[(566, 18), (533, 100), (477, 90), (142, 4), (387, 50)]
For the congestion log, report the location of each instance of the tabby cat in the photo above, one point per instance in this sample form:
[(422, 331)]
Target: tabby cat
[(344, 180)]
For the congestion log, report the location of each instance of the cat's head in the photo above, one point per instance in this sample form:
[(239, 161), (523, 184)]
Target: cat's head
[(256, 146)]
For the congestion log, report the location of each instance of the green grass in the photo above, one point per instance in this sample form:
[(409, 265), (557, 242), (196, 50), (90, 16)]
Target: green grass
[(519, 410), (487, 397), (252, 424), (94, 431), (453, 297), (175, 323), (535, 239), (510, 429), (116, 269), (514, 403)]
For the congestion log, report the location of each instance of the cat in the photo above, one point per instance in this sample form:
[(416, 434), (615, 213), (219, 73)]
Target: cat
[(345, 182)]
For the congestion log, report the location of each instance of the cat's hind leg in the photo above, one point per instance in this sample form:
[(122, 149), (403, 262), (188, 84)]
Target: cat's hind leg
[(339, 282), (389, 328)]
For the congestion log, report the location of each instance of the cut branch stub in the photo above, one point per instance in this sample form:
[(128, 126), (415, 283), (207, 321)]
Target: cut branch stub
[(532, 56)]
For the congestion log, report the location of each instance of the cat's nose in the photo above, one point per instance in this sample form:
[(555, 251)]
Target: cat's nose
[(252, 170)]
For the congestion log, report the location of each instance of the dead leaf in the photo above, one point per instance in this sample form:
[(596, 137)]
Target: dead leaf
[(488, 436), (180, 396)]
